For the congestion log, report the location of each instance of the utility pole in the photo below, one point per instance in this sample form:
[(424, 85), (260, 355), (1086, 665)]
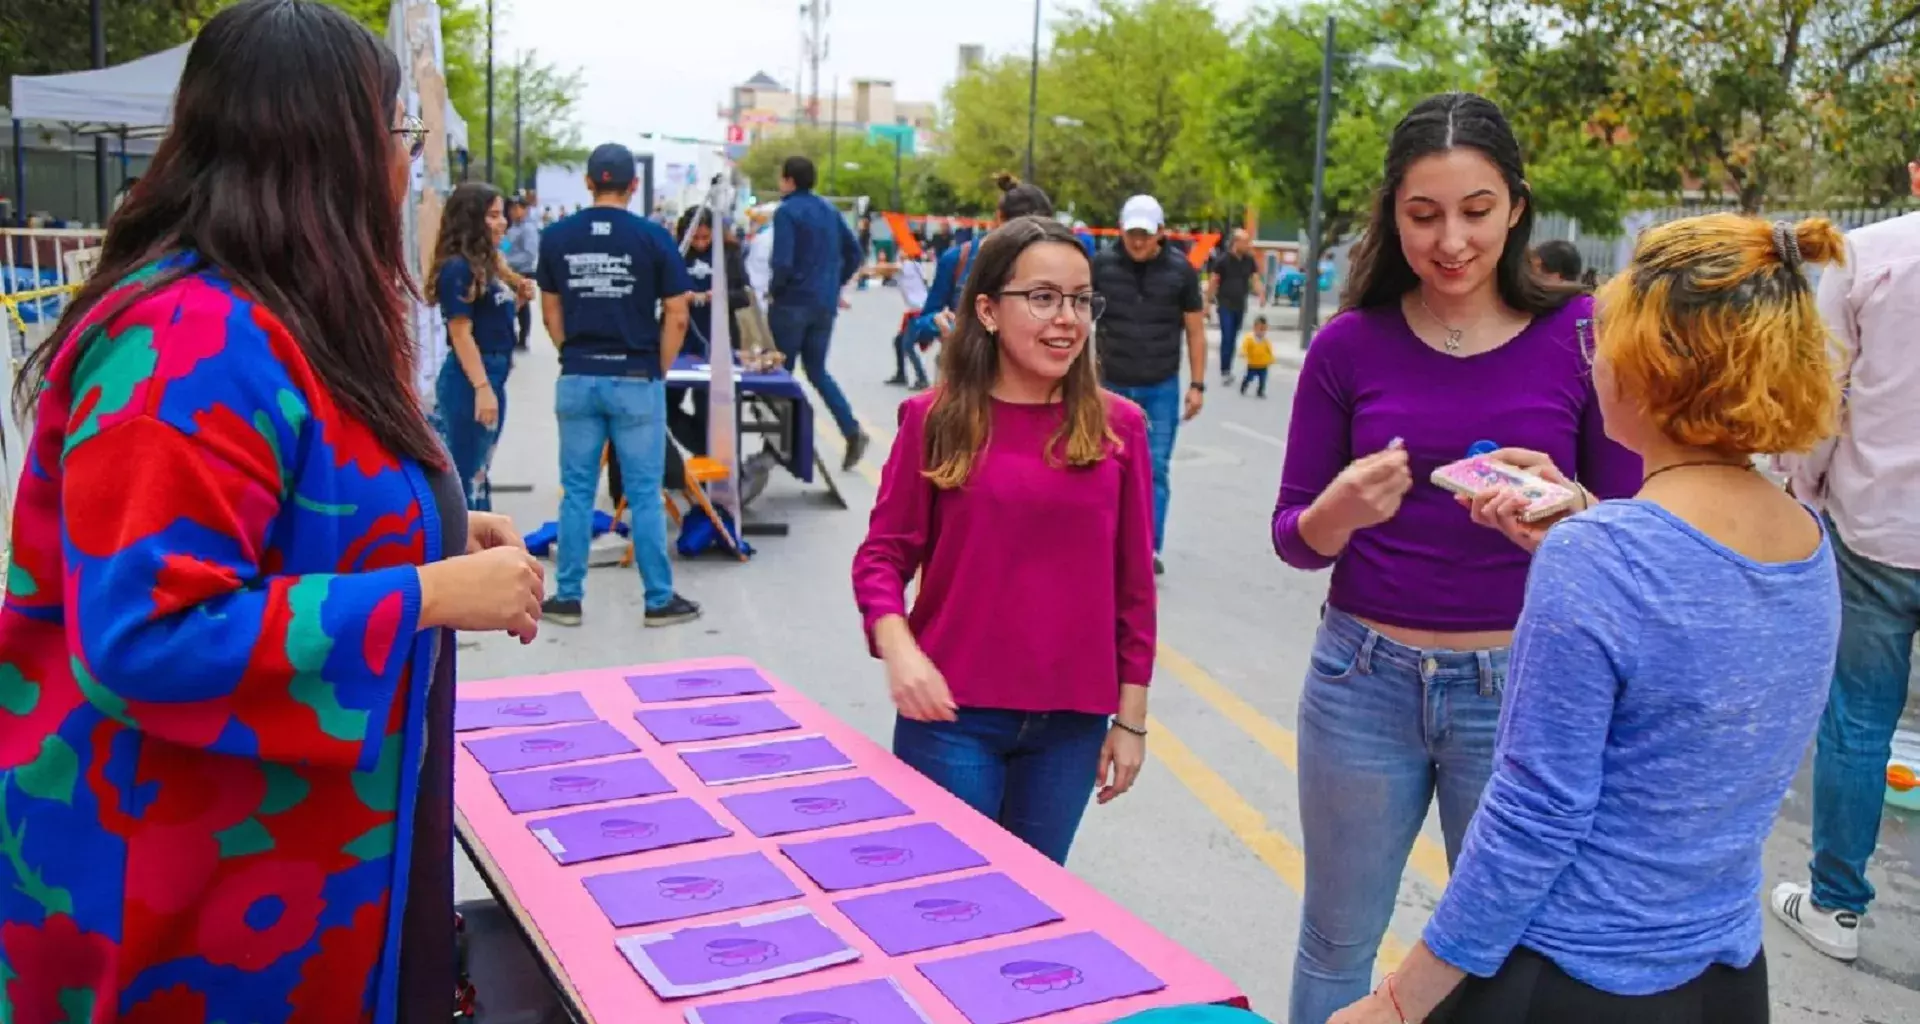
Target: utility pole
[(899, 138), (833, 142), (103, 203), (519, 164), (814, 48), (1033, 87), (490, 177), (1310, 292)]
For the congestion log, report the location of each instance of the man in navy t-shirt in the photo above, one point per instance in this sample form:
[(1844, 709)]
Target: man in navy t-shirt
[(603, 273)]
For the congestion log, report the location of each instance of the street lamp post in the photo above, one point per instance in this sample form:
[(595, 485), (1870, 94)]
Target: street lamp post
[(490, 177), (519, 167), (898, 142), (1310, 292), (1033, 87), (102, 203)]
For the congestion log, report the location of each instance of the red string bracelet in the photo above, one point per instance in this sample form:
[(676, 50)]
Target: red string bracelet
[(1395, 1000)]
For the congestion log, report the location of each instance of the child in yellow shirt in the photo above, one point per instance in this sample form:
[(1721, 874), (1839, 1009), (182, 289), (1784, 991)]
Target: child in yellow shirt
[(1259, 353)]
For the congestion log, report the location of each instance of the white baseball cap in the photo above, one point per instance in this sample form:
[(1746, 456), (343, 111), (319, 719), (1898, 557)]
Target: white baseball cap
[(1142, 213)]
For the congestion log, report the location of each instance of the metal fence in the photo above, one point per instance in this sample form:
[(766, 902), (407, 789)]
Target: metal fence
[(1607, 253)]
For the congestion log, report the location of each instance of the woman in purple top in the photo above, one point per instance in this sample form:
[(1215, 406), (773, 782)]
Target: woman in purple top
[(1447, 342), (1021, 493)]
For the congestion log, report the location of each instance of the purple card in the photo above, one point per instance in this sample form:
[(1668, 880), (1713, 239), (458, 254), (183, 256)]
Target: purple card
[(572, 785), (693, 685), (697, 961), (498, 712), (947, 913), (1018, 983), (625, 828), (874, 858), (776, 812), (548, 746), (714, 721), (690, 889), (773, 759), (881, 1001)]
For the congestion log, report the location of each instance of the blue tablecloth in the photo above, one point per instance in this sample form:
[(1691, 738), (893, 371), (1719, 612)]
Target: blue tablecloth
[(780, 387)]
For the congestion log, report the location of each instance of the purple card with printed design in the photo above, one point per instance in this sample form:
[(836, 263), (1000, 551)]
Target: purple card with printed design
[(773, 759), (875, 858), (776, 812), (880, 1001), (538, 749), (946, 913), (695, 684), (501, 712), (714, 721), (571, 785), (625, 828), (690, 889), (716, 958), (1016, 983)]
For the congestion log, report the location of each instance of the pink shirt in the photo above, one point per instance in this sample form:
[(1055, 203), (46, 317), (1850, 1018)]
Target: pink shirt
[(1868, 478), (1036, 580)]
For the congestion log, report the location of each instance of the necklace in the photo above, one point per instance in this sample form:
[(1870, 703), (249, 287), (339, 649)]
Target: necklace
[(1454, 334), (1683, 465)]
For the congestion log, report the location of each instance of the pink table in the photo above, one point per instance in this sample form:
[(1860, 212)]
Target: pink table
[(575, 941)]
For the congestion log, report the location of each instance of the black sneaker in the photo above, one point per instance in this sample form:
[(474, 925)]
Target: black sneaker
[(560, 613), (898, 380), (856, 450), (673, 613), (920, 385), (1159, 567)]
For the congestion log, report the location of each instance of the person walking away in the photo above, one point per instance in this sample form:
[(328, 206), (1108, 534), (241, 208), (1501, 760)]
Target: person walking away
[(1259, 353), (695, 229), (1867, 482), (1235, 278), (238, 566), (1153, 300), (602, 272), (814, 256), (1610, 873), (1020, 496), (478, 295), (523, 256), (937, 314), (1445, 339), (1558, 260)]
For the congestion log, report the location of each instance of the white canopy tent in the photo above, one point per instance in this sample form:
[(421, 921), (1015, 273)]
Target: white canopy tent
[(132, 96)]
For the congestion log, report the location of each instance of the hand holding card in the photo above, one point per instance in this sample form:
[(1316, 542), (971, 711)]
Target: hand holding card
[(1514, 490)]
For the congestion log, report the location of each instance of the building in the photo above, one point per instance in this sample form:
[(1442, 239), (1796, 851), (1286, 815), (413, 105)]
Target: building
[(764, 108)]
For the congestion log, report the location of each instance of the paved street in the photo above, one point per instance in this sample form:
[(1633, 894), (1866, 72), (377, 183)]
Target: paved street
[(1206, 847)]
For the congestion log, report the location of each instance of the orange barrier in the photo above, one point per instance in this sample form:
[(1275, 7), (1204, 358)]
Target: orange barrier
[(902, 226)]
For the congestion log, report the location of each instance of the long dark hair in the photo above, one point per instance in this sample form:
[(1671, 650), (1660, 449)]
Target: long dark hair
[(464, 234), (1379, 275), (278, 174), (962, 413)]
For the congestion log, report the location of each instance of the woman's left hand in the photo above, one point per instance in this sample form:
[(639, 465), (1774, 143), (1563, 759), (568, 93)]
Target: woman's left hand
[(487, 530), (524, 289), (1120, 759), (1373, 1009)]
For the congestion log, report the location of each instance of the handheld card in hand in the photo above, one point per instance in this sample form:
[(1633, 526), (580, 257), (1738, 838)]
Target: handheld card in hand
[(1471, 477)]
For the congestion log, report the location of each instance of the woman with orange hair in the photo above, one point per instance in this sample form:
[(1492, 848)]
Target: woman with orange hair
[(1610, 873)]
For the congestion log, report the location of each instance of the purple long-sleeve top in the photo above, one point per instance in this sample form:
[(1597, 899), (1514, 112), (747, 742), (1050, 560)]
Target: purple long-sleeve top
[(1369, 379)]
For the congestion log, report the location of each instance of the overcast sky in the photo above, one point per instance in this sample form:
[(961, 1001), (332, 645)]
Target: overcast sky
[(667, 65)]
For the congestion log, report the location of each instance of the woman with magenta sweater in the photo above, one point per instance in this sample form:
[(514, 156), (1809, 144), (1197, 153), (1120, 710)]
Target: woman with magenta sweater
[(1446, 342), (1611, 875), (1021, 494)]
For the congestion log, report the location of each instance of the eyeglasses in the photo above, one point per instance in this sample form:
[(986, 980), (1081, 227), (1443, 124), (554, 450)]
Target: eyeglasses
[(414, 131), (1045, 303)]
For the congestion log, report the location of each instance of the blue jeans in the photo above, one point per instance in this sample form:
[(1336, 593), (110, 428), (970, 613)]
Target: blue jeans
[(471, 444), (802, 334), (1254, 376), (1230, 320), (1162, 404), (1879, 614), (906, 353), (1384, 728), (1030, 771), (631, 412)]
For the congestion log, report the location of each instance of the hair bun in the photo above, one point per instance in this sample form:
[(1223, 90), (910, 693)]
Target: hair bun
[(1006, 180), (1818, 241)]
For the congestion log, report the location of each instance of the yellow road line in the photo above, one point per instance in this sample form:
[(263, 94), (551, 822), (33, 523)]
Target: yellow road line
[(1428, 858)]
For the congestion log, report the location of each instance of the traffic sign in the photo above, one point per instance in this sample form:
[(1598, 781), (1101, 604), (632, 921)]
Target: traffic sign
[(736, 135)]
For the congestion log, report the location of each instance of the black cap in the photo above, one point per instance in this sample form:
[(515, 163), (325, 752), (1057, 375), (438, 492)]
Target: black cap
[(611, 166)]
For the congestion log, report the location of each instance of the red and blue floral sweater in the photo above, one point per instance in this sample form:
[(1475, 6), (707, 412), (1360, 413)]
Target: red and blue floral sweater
[(207, 656)]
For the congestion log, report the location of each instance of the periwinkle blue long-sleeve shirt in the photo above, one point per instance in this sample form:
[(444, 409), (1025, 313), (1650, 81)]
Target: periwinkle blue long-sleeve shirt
[(1661, 694), (815, 253)]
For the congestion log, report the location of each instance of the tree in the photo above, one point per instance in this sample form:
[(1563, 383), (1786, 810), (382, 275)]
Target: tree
[(40, 37), (1115, 93), (549, 132), (860, 165), (1748, 100)]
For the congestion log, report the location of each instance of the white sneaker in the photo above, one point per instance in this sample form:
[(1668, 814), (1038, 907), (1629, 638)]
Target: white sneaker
[(1833, 932)]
